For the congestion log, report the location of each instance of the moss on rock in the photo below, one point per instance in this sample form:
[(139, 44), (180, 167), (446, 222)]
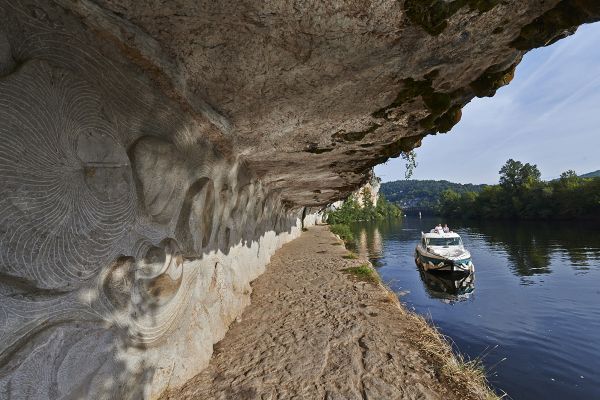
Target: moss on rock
[(437, 102), (557, 23), (491, 80), (432, 15), (450, 118), (411, 90)]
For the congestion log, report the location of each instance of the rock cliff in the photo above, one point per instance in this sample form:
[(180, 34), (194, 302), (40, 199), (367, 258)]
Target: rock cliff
[(369, 190), (154, 154)]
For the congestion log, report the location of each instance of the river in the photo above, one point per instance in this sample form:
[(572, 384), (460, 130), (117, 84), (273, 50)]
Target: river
[(531, 310)]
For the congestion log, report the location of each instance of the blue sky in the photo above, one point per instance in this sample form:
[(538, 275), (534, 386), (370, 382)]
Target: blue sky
[(549, 115)]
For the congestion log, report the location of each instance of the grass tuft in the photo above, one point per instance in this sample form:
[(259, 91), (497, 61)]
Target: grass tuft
[(468, 376), (350, 256), (363, 273), (464, 376)]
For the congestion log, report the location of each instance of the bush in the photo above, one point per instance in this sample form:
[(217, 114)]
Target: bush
[(351, 211), (343, 231), (522, 195)]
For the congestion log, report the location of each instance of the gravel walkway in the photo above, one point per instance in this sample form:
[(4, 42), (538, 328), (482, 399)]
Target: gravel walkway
[(315, 332)]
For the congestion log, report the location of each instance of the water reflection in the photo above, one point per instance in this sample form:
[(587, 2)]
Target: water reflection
[(537, 302), (531, 246), (448, 287), (369, 242)]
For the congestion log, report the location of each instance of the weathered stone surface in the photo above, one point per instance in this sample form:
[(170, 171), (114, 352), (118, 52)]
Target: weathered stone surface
[(154, 154), (328, 88)]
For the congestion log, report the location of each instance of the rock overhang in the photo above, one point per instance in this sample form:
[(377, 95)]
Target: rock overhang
[(329, 89), (154, 154)]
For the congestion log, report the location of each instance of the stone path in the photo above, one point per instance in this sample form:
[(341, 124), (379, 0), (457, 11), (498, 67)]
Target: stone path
[(314, 332)]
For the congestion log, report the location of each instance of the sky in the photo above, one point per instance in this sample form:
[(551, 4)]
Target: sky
[(549, 115)]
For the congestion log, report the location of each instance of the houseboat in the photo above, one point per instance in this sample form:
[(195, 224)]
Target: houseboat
[(443, 251)]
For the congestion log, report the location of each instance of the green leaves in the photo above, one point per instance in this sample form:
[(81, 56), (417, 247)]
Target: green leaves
[(522, 195), (351, 211), (515, 175), (411, 163)]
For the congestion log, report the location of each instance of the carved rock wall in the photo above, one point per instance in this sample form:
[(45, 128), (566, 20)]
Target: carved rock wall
[(127, 240), (154, 154)]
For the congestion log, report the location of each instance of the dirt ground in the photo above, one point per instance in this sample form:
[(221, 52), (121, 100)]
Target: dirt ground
[(315, 332)]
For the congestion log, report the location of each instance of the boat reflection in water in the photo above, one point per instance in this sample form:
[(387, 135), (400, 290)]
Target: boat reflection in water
[(448, 286)]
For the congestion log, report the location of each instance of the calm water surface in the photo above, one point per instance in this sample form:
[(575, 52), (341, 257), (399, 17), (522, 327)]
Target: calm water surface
[(531, 309)]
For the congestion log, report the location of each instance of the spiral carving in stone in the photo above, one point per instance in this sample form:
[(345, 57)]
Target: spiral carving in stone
[(66, 195), (127, 239), (152, 291)]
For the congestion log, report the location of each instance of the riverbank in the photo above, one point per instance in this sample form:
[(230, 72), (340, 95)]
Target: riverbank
[(315, 331)]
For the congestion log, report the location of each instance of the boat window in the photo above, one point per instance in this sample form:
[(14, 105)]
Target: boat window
[(454, 241)]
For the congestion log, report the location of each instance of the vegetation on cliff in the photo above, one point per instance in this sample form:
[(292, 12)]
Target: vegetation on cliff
[(521, 194), (343, 231), (352, 211)]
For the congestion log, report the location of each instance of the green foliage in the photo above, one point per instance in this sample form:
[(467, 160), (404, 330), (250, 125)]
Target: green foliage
[(350, 256), (450, 200), (515, 175), (364, 272), (522, 195), (343, 231), (351, 211), (422, 194), (411, 163)]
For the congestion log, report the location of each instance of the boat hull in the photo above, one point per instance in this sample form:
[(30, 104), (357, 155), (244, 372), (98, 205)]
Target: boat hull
[(433, 263)]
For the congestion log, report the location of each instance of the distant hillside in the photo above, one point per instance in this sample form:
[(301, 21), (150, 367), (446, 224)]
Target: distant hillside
[(422, 194), (595, 174)]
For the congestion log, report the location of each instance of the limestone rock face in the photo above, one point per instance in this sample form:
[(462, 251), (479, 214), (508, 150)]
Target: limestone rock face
[(154, 154), (369, 190)]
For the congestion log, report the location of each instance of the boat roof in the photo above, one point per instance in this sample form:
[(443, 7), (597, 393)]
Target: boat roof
[(430, 235)]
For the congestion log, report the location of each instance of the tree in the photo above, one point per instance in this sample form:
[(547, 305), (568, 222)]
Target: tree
[(350, 211), (509, 174), (522, 195), (569, 179), (569, 174), (450, 203), (468, 204), (569, 198), (515, 176), (530, 176), (411, 163), (366, 198)]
